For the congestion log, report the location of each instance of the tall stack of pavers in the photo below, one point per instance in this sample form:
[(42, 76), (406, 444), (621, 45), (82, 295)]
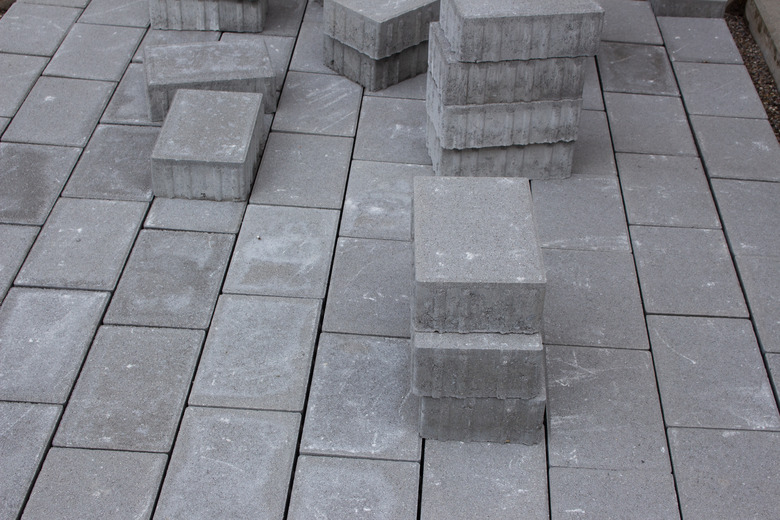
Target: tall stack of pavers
[(505, 85)]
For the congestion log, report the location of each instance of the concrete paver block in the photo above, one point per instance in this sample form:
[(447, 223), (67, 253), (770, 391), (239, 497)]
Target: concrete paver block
[(689, 8), (209, 15), (279, 48), (16, 242), (406, 120), (760, 277), (195, 215), (157, 37), (17, 76), (309, 50), (737, 97), (630, 22), (130, 103), (593, 153), (749, 210), (3, 124), (706, 40), (81, 4), (476, 270), (127, 13), (35, 29), (636, 69)]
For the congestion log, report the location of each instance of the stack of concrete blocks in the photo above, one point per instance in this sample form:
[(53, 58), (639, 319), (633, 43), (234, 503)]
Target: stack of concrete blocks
[(505, 85), (208, 15), (479, 283), (377, 43)]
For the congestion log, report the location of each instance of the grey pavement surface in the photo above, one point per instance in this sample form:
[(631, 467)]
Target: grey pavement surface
[(166, 358)]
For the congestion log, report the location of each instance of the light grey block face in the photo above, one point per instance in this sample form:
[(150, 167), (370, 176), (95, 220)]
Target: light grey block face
[(132, 13), (284, 17), (195, 215), (46, 334), (308, 55), (130, 104), (706, 40), (258, 353), (636, 69), (748, 210), (279, 48), (16, 242), (35, 29), (31, 178), (689, 8), (591, 89), (406, 141), (132, 390), (4, 123), (283, 251), (155, 37), (737, 97), (338, 487), (88, 483), (230, 463), (593, 154), (172, 279), (26, 433), (476, 270), (211, 15), (17, 76), (360, 403), (760, 277), (83, 245), (631, 22), (593, 391)]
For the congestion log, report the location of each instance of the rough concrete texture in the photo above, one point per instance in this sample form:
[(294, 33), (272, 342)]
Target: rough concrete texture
[(748, 209), (630, 22), (17, 76), (497, 30), (379, 29), (706, 40), (593, 153), (16, 242), (476, 270), (209, 15), (280, 48), (195, 215), (156, 37), (209, 146), (737, 96), (130, 103), (689, 8), (636, 69), (35, 29), (127, 13), (764, 21), (406, 139)]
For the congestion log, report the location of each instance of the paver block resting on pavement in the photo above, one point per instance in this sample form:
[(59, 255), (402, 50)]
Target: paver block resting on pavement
[(128, 13), (279, 48), (156, 37), (130, 104), (630, 22), (209, 15), (195, 215)]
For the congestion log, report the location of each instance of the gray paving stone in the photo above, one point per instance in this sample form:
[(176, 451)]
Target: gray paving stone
[(760, 277), (132, 389), (711, 374), (279, 48), (17, 76), (726, 474), (412, 88), (591, 89), (16, 242), (370, 288), (661, 190), (603, 410), (308, 55), (649, 124), (689, 8), (581, 213), (749, 210), (31, 178), (283, 251), (593, 154), (211, 15), (65, 3), (284, 17), (592, 299), (155, 37), (303, 170), (318, 104), (230, 464), (631, 22), (706, 40), (313, 12), (115, 165), (130, 105), (392, 130), (360, 401), (737, 148), (27, 429), (4, 123), (83, 245), (378, 203), (736, 96), (35, 29), (45, 336), (636, 69), (773, 365), (258, 353), (330, 487), (195, 215), (172, 279), (686, 271), (60, 111), (129, 13), (95, 484), (581, 493), (484, 480)]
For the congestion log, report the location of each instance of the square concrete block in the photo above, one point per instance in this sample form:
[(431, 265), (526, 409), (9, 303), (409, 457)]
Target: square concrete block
[(379, 29), (737, 97), (156, 37), (195, 215), (477, 262), (127, 13), (130, 103), (497, 30), (629, 22), (706, 40), (392, 130), (689, 8), (760, 277), (17, 76), (593, 153), (636, 69), (35, 29), (209, 15), (209, 146), (16, 242), (279, 48), (749, 211)]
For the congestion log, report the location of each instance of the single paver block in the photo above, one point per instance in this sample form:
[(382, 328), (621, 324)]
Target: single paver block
[(505, 366), (235, 67), (128, 13), (497, 30), (35, 29), (209, 146), (736, 97), (279, 48), (749, 211), (630, 22), (379, 29), (209, 15), (636, 69), (156, 37), (392, 130), (195, 215), (476, 270), (760, 277), (706, 40), (593, 153), (16, 242), (17, 76), (130, 103), (689, 8)]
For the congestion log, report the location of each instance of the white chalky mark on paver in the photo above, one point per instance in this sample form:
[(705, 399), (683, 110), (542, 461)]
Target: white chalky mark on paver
[(233, 466), (10, 426), (49, 98)]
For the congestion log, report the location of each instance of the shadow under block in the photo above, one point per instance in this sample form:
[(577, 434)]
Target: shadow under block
[(209, 146), (209, 15)]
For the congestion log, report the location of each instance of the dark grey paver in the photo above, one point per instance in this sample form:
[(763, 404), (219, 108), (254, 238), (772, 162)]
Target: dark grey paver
[(16, 242), (60, 111), (689, 8), (115, 165), (258, 353), (636, 69), (128, 13), (283, 251), (371, 288), (284, 17), (35, 29), (760, 277), (726, 474), (749, 210), (360, 401), (603, 410), (132, 389), (686, 271), (392, 130), (24, 439), (279, 48), (17, 75), (230, 464), (705, 40), (716, 89), (172, 279), (195, 215), (130, 105), (661, 190), (83, 245), (155, 37), (591, 90), (593, 154), (31, 178), (592, 298), (581, 493), (45, 336), (92, 484), (632, 22), (308, 55), (329, 487)]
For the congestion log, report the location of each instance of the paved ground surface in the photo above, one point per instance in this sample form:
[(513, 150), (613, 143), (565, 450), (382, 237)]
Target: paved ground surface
[(189, 359)]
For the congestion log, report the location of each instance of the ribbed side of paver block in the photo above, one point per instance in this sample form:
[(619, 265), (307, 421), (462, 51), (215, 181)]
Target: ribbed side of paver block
[(498, 30), (478, 265), (209, 15), (371, 73), (689, 8), (379, 28)]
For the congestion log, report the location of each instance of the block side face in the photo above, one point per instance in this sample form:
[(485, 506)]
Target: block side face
[(209, 15)]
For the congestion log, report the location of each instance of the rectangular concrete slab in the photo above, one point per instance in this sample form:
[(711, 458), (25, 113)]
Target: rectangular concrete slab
[(130, 104), (706, 40), (631, 22), (195, 215), (748, 209), (209, 15), (35, 29), (16, 242), (17, 76), (760, 277), (737, 96), (593, 153), (279, 48), (636, 69), (127, 13), (405, 141), (689, 8)]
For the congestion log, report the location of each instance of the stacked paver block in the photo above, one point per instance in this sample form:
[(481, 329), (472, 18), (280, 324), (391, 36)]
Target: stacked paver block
[(479, 284), (377, 43), (208, 15), (505, 84)]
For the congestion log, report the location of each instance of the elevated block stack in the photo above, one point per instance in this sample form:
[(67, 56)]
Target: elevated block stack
[(479, 285), (209, 15), (505, 85)]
